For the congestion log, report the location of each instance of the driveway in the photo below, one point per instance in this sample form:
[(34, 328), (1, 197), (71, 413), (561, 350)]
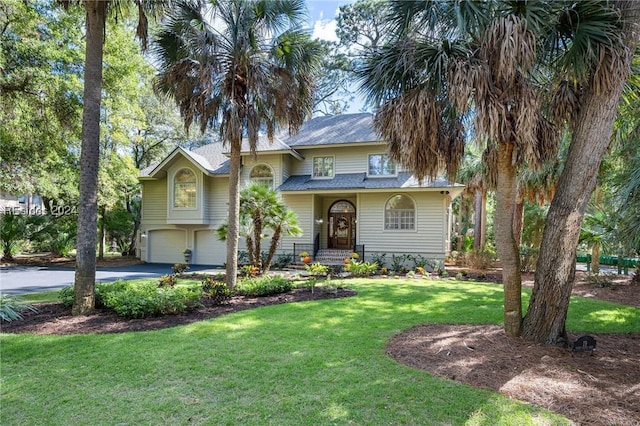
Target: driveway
[(27, 279)]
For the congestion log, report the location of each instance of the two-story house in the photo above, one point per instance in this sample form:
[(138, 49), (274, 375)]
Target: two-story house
[(334, 173)]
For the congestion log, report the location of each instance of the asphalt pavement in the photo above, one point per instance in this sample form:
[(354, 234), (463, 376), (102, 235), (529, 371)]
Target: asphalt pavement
[(28, 279)]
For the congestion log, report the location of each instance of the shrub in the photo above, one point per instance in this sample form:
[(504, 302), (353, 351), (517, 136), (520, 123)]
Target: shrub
[(146, 299), (317, 268), (263, 286), (419, 261), (179, 268), (600, 280), (11, 308), (283, 260), (420, 270), (397, 262), (65, 296), (167, 281), (216, 290), (379, 258), (479, 259), (249, 270), (361, 269), (384, 271)]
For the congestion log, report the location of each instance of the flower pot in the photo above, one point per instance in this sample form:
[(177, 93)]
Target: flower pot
[(306, 259)]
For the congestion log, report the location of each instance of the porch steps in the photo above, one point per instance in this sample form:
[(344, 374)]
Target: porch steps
[(332, 256)]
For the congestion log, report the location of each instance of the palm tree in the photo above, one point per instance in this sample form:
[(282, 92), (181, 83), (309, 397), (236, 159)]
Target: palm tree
[(95, 21), (262, 211), (449, 59), (241, 66)]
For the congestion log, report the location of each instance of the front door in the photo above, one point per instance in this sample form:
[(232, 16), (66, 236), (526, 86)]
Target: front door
[(342, 229)]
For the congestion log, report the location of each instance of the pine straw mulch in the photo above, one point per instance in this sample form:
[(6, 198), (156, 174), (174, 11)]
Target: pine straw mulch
[(598, 389), (602, 389)]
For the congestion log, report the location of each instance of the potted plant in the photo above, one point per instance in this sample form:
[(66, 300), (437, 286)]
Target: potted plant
[(304, 257), (353, 256), (187, 255)]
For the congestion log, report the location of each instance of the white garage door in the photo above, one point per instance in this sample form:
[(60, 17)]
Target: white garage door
[(166, 245), (209, 250)]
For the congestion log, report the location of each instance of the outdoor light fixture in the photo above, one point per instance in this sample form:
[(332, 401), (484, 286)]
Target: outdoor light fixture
[(319, 221)]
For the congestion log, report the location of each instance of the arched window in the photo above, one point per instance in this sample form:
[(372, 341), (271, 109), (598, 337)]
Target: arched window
[(263, 174), (400, 213), (184, 189)]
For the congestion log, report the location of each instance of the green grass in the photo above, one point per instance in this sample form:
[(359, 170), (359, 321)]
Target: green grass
[(311, 363)]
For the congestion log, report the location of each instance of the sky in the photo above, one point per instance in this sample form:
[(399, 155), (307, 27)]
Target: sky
[(322, 14)]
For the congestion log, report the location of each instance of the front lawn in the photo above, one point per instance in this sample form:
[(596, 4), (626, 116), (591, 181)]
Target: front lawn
[(320, 362)]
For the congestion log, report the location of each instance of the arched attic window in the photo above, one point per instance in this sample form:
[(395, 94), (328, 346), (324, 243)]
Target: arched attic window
[(400, 213), (184, 189), (262, 174)]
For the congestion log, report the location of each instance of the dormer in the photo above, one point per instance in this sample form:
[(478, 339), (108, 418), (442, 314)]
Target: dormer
[(185, 173)]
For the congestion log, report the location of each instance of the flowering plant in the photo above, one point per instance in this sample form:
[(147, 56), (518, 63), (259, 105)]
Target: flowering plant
[(303, 254), (186, 251), (355, 255)]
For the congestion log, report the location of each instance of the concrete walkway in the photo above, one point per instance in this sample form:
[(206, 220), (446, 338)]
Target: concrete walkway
[(28, 279)]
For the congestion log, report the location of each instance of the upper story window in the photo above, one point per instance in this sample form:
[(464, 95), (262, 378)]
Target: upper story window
[(400, 213), (323, 167), (184, 189), (381, 165), (263, 174)]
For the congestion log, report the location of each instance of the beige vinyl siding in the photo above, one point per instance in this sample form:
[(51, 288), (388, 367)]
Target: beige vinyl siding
[(154, 201), (346, 160), (303, 206), (217, 200), (427, 239), (287, 160)]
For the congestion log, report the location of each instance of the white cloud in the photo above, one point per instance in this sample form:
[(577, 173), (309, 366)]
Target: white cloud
[(325, 30)]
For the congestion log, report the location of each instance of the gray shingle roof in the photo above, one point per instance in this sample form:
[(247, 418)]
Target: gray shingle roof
[(361, 181), (209, 157), (335, 129)]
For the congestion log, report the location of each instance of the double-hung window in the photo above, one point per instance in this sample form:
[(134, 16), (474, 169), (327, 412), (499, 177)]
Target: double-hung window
[(381, 165), (323, 167)]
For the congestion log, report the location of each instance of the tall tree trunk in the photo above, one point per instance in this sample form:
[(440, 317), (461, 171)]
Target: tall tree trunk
[(477, 221), (101, 233), (459, 242), (234, 213), (85, 275), (595, 258), (483, 240), (506, 188), (555, 271), (518, 218)]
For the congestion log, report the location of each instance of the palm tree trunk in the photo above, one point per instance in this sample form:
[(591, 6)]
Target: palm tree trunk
[(234, 212), (85, 275), (518, 218), (595, 258), (483, 240), (477, 219), (555, 271), (505, 242)]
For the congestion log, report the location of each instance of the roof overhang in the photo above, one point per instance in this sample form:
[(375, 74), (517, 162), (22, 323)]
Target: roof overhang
[(161, 169)]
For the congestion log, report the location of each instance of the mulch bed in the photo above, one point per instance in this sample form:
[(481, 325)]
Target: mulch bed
[(598, 389), (54, 318)]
